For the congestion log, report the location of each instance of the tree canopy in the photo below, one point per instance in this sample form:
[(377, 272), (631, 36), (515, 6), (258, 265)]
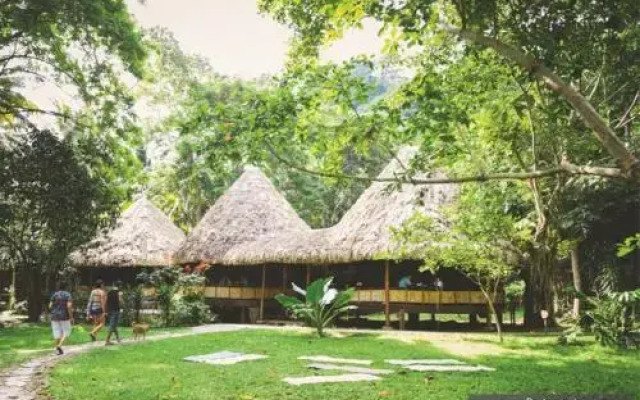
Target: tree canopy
[(72, 43)]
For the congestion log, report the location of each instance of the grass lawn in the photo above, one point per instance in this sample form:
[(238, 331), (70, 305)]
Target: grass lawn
[(154, 370), (26, 341)]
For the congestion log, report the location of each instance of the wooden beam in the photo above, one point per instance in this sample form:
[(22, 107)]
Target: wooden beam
[(387, 320), (308, 275), (264, 275)]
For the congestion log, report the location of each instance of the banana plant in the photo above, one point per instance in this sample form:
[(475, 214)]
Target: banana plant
[(321, 306)]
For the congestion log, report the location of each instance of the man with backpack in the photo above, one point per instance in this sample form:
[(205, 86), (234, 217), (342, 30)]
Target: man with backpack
[(61, 315)]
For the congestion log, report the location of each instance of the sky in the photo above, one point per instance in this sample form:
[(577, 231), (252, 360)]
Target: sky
[(231, 34), (236, 39)]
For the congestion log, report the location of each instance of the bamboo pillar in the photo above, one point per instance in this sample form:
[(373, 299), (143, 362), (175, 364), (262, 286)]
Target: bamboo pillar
[(387, 320), (308, 275), (264, 275)]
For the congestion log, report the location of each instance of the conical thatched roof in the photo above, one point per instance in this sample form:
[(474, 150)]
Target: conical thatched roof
[(142, 236), (366, 227), (363, 233), (251, 208)]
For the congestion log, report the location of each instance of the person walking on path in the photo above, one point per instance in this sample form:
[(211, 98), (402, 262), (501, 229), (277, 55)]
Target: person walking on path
[(61, 315), (114, 299), (96, 308)]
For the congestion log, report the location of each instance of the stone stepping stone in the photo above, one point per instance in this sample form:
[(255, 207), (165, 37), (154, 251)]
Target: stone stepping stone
[(224, 358), (348, 368), (327, 359), (448, 368), (306, 380), (430, 361)]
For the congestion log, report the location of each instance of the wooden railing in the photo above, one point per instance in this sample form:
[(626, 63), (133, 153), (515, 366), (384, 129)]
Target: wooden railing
[(362, 295), (240, 292), (410, 296)]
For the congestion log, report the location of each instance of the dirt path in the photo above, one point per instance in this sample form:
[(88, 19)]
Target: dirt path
[(26, 381)]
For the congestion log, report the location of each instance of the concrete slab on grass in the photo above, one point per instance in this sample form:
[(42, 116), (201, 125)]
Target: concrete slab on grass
[(430, 361), (448, 368), (327, 359), (224, 358), (307, 380), (349, 368)]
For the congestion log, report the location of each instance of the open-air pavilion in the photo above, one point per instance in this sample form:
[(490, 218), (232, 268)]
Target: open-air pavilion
[(358, 252)]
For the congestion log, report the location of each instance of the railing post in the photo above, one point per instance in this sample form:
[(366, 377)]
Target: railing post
[(264, 274), (284, 277), (387, 320)]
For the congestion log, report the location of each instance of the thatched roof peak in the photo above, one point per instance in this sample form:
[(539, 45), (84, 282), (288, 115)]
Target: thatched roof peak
[(251, 208), (142, 236), (366, 227), (364, 232)]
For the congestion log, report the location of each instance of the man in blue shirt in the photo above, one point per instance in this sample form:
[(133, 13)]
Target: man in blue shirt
[(405, 282), (61, 314)]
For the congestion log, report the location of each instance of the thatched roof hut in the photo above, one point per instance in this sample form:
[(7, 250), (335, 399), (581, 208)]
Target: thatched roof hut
[(251, 208), (363, 233), (142, 236)]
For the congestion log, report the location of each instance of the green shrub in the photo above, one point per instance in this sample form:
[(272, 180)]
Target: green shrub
[(179, 296), (188, 305), (611, 317), (164, 297), (80, 300), (132, 303), (189, 312)]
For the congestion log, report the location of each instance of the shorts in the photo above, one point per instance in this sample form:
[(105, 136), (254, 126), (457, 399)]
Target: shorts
[(114, 318), (96, 312), (61, 328)]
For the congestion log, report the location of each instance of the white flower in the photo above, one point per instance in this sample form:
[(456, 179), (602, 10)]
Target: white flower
[(298, 289), (328, 297), (326, 285)]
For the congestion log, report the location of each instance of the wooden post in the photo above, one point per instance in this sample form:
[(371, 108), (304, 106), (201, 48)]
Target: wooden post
[(264, 275), (308, 275), (284, 277), (387, 320)]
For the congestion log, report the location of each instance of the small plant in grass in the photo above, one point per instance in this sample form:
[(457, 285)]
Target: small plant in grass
[(321, 306)]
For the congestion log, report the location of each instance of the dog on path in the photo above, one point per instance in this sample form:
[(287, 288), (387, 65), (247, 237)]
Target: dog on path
[(140, 330)]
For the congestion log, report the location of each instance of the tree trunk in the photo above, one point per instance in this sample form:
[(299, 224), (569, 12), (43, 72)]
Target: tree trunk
[(577, 280), (538, 279), (35, 295), (493, 311), (531, 318), (12, 289)]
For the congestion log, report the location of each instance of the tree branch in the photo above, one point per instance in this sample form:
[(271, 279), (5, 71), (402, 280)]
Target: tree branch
[(563, 168), (630, 164)]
